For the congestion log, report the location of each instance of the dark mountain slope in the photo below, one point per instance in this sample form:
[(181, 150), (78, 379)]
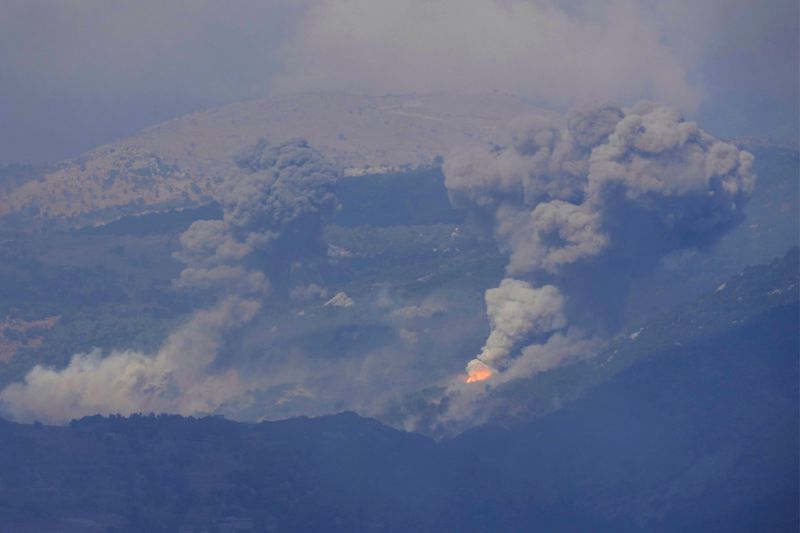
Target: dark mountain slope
[(700, 438), (697, 434), (736, 302), (336, 473)]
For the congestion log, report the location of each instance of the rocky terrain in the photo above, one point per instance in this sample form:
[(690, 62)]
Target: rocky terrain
[(179, 163)]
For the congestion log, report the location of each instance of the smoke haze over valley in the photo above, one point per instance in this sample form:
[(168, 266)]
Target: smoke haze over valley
[(526, 265)]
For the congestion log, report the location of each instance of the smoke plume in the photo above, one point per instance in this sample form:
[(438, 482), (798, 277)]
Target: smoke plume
[(273, 213), (552, 52), (516, 311), (582, 204)]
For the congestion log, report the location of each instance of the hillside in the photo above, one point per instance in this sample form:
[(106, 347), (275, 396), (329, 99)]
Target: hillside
[(179, 162), (701, 437), (736, 302), (412, 264), (697, 434)]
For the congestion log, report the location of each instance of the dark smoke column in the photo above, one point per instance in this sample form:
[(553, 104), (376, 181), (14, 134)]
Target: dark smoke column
[(273, 213), (605, 186)]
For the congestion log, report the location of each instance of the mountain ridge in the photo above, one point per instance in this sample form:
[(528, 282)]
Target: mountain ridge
[(180, 162)]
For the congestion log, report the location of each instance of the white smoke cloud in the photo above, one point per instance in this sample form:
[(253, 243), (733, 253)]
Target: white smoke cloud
[(177, 379), (517, 310), (561, 347), (550, 52), (272, 215)]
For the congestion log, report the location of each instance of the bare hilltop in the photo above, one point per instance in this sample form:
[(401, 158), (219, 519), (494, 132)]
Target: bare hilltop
[(178, 163)]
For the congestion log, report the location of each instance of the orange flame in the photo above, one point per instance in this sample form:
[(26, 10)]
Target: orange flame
[(475, 375)]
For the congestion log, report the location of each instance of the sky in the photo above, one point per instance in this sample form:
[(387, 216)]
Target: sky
[(78, 74)]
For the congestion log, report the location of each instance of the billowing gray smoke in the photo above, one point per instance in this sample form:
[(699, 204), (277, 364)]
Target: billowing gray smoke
[(273, 215), (581, 203), (518, 311)]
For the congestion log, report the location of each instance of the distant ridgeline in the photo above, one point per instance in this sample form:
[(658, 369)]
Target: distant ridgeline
[(180, 163), (695, 429), (414, 197)]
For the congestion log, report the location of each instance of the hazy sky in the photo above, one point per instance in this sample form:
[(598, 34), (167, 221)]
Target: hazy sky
[(77, 74)]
